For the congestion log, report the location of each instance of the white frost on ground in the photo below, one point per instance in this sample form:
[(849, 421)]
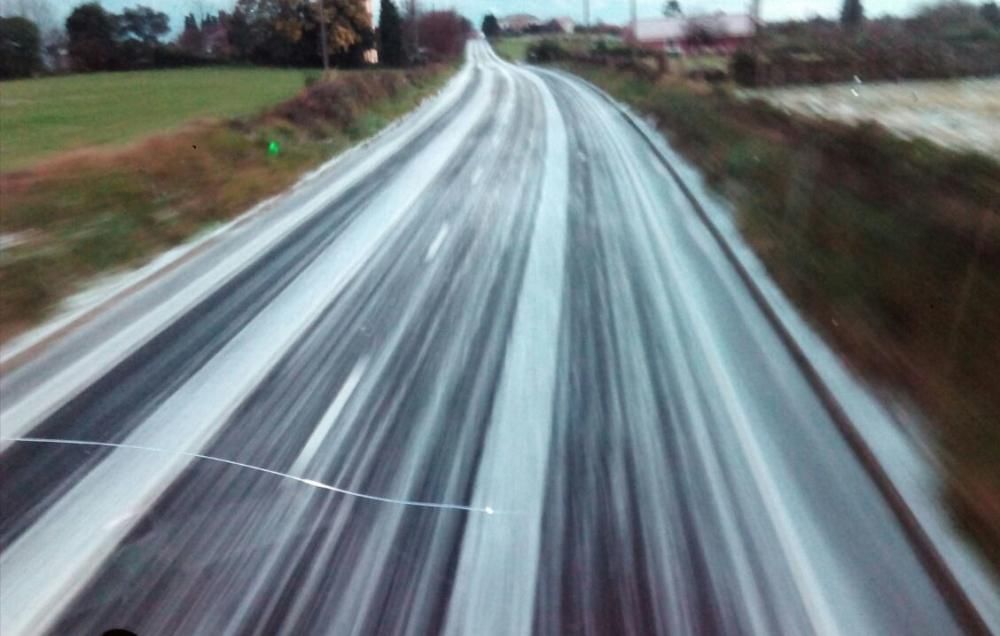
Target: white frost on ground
[(962, 114)]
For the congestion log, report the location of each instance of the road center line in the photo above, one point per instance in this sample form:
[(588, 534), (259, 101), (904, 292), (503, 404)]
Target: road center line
[(437, 243), (329, 418)]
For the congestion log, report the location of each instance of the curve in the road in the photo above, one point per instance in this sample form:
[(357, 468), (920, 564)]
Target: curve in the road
[(521, 312)]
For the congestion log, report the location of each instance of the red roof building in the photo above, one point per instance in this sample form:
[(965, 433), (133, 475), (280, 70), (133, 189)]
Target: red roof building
[(717, 32)]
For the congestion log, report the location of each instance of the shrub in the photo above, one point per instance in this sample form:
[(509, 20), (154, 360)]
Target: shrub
[(546, 51), (743, 68), (20, 48)]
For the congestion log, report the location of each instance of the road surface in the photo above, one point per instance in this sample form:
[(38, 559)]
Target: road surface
[(487, 375)]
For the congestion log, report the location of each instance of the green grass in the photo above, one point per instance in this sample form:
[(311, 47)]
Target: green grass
[(42, 117), (514, 49)]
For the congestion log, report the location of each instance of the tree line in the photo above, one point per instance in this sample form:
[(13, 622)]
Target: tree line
[(260, 32)]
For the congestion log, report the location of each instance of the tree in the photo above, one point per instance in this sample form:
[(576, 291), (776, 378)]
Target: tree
[(240, 35), (672, 9), (20, 47), (443, 34), (491, 26), (852, 15), (40, 12), (348, 24), (991, 13), (37, 11), (345, 24), (91, 31), (390, 35), (191, 39), (288, 32), (144, 24)]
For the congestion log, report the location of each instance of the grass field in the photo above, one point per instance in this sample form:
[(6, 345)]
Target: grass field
[(80, 214), (41, 117)]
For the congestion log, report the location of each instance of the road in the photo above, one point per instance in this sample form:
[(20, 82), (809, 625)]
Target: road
[(486, 375)]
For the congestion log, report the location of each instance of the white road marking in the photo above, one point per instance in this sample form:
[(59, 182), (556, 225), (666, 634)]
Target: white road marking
[(436, 243), (329, 418)]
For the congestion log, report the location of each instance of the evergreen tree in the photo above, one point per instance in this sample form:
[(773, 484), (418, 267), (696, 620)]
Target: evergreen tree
[(390, 35), (491, 26), (853, 14)]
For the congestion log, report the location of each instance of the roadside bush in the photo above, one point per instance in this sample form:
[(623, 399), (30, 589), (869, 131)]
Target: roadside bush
[(546, 51), (743, 68), (336, 104)]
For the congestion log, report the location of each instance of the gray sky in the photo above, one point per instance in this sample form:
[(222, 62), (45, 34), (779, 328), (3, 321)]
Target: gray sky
[(615, 11)]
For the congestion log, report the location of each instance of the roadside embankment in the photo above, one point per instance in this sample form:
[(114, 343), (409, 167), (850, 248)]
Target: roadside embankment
[(90, 211), (890, 246)]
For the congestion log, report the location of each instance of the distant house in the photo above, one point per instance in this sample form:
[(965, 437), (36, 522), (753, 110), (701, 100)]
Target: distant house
[(717, 32), (519, 23)]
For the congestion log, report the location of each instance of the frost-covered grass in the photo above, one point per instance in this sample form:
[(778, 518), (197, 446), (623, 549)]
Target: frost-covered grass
[(962, 114)]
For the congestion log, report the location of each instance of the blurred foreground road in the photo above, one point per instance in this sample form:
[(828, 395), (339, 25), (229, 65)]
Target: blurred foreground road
[(554, 405)]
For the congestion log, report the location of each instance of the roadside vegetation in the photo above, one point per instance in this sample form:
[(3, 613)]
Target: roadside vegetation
[(517, 49), (80, 214), (890, 246)]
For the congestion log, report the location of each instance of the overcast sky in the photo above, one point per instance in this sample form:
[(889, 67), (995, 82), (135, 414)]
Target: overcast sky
[(615, 11)]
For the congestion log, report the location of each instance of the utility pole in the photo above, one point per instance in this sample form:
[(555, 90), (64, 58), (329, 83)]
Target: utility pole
[(634, 14), (324, 45)]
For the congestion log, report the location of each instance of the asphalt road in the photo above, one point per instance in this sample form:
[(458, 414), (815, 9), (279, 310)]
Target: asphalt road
[(486, 375)]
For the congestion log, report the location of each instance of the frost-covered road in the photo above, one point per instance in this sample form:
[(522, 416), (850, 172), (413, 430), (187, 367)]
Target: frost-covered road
[(486, 375)]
